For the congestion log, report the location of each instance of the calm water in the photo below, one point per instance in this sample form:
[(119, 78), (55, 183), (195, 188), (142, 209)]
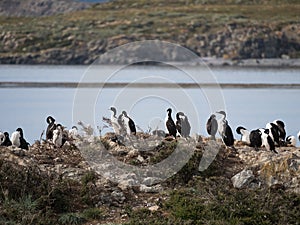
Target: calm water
[(250, 107)]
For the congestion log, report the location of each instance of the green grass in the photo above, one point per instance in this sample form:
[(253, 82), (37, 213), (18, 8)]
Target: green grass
[(214, 201)]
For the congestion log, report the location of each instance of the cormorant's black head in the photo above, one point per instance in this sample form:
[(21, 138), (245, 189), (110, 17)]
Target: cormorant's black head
[(222, 113), (279, 123), (169, 110), (179, 114), (213, 116), (288, 139), (60, 126), (113, 109), (74, 127), (20, 131), (6, 134), (267, 131), (238, 130), (50, 119)]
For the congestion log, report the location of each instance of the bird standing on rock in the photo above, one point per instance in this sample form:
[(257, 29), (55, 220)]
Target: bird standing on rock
[(267, 141), (6, 141), (255, 139), (281, 131), (73, 133), (273, 132), (128, 123), (170, 125), (183, 125), (2, 137), (17, 139), (212, 126), (244, 134), (291, 141), (50, 128), (58, 136), (115, 122), (225, 130)]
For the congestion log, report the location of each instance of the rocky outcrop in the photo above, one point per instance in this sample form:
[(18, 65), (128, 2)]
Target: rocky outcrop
[(246, 167), (264, 168), (231, 43)]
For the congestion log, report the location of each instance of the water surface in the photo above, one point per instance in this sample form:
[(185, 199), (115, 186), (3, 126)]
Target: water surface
[(251, 107)]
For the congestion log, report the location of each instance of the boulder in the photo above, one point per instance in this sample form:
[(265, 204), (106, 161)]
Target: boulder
[(243, 178)]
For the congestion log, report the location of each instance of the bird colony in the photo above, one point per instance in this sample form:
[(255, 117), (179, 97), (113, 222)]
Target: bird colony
[(272, 136)]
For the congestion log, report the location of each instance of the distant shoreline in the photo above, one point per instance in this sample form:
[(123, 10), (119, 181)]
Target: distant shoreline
[(213, 62)]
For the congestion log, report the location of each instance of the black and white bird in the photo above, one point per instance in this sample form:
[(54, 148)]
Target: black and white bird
[(183, 125), (245, 134), (170, 125), (291, 141), (73, 133), (267, 141), (115, 122), (274, 132), (50, 128), (18, 140), (255, 139), (57, 139), (298, 135), (128, 123), (6, 141), (225, 130), (212, 126), (2, 137), (281, 131)]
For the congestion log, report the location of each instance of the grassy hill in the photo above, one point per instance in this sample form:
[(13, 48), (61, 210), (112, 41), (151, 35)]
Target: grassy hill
[(231, 29)]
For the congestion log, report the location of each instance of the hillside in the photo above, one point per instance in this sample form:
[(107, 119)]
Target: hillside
[(47, 185), (39, 7), (234, 30)]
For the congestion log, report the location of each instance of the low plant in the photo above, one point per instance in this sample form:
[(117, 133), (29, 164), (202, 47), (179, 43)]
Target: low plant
[(71, 219)]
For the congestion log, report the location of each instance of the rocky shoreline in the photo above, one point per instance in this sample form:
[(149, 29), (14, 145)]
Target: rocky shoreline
[(240, 169)]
